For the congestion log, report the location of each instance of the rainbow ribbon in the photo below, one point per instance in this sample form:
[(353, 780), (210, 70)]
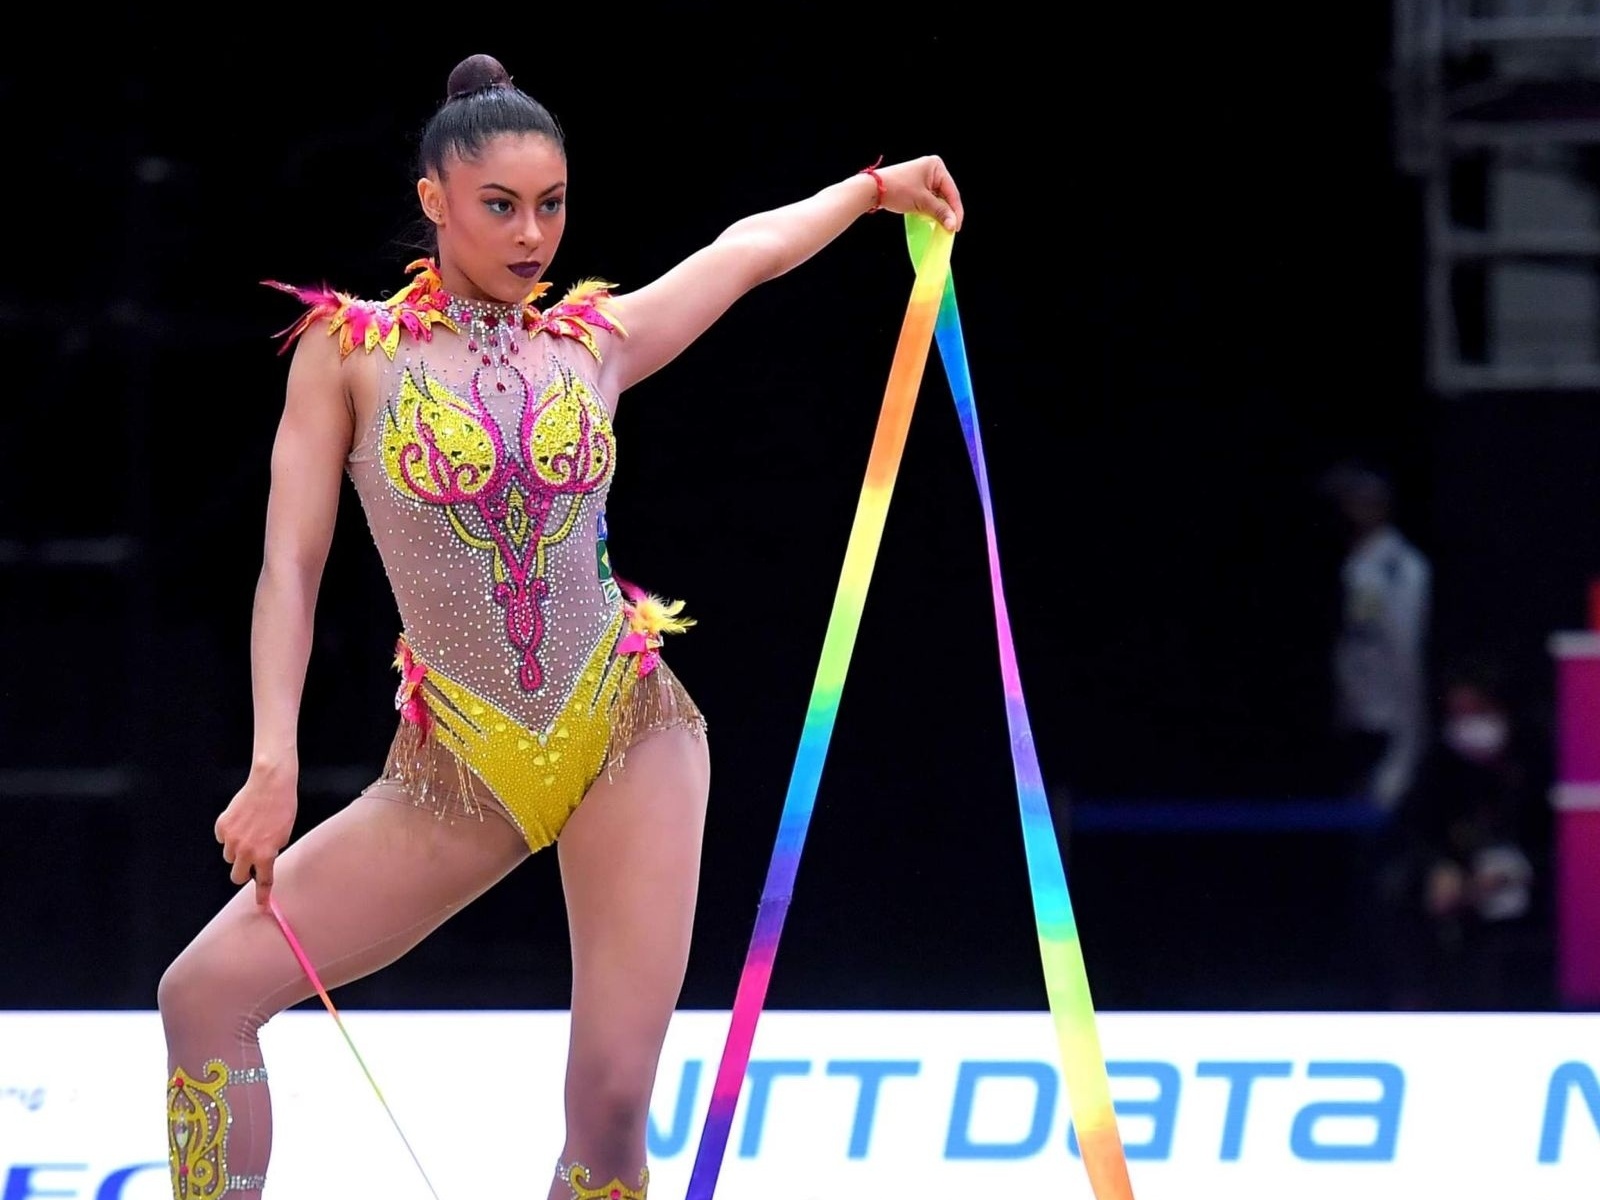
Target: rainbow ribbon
[(931, 314), (883, 464), (1066, 980), (327, 1001)]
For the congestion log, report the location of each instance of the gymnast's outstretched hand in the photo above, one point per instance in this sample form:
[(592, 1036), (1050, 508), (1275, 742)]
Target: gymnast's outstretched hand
[(922, 185)]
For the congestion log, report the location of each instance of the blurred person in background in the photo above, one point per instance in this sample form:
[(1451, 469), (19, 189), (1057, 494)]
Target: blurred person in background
[(1379, 654), (1456, 888)]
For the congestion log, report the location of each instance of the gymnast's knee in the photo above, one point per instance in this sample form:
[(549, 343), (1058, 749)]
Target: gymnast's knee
[(204, 986), (609, 1095)]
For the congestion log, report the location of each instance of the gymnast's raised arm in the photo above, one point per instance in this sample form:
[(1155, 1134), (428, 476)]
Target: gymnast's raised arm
[(664, 317)]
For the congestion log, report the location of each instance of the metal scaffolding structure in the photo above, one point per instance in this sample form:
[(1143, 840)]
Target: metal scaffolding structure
[(1498, 116)]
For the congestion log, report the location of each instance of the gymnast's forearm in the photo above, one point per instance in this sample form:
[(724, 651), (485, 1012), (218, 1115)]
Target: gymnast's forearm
[(280, 649), (789, 235)]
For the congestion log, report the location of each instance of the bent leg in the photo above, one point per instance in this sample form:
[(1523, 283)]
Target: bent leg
[(630, 867), (359, 890)]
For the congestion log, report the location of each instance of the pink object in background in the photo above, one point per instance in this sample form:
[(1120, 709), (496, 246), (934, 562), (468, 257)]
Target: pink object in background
[(1576, 801)]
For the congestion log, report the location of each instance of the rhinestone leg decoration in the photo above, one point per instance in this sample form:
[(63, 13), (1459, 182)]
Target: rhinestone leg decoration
[(576, 1176), (198, 1118)]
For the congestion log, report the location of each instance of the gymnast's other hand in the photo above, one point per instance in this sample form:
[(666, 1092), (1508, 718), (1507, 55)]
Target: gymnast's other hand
[(256, 825), (922, 185)]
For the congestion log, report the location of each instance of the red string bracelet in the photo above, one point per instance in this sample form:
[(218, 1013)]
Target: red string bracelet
[(877, 179)]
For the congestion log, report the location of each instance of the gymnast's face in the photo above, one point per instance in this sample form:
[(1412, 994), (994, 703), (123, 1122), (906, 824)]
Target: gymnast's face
[(499, 216)]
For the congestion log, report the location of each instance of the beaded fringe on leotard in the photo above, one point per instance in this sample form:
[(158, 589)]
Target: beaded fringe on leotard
[(433, 777), (656, 702)]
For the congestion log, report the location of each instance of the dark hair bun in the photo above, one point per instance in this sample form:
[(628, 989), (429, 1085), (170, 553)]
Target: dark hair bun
[(475, 74)]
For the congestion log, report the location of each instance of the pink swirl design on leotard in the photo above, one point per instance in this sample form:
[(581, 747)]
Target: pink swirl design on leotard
[(444, 450)]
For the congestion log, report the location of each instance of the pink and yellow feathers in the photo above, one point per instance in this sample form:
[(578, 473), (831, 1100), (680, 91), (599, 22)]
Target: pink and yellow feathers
[(424, 303), (649, 617)]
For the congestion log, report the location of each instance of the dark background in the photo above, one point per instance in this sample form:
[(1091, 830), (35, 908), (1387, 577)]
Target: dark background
[(1190, 279)]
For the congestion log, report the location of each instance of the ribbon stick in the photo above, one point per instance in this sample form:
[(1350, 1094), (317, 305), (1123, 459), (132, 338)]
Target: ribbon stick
[(1066, 980), (883, 465), (327, 1001)]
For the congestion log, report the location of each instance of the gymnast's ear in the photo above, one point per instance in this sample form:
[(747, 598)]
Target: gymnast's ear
[(431, 196)]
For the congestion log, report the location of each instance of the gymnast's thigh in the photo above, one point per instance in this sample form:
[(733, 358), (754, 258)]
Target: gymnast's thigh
[(359, 890)]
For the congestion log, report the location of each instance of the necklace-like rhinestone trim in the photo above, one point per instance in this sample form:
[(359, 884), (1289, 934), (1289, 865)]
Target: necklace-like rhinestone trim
[(490, 328)]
